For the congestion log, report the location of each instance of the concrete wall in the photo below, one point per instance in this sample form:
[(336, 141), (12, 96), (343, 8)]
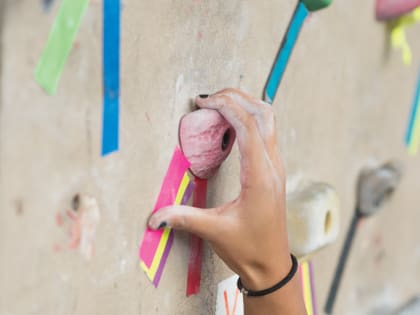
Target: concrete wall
[(344, 103)]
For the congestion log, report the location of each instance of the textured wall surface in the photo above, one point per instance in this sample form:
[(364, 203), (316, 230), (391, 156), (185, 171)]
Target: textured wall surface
[(343, 103)]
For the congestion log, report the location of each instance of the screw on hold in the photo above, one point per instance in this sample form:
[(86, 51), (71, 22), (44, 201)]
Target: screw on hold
[(375, 186)]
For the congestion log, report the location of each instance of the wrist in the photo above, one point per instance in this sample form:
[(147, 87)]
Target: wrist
[(284, 281), (263, 276)]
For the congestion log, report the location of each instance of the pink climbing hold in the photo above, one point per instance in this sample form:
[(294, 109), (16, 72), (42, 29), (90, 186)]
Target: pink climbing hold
[(206, 140), (391, 9)]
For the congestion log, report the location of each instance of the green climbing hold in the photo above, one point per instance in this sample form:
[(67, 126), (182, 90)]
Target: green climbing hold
[(314, 5)]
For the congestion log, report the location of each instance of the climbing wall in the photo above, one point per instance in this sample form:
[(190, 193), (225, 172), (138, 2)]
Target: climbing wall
[(344, 103)]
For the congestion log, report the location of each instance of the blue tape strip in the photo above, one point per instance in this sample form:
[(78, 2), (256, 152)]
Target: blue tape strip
[(111, 75), (283, 55), (414, 113)]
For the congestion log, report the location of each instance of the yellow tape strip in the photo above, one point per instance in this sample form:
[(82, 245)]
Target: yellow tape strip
[(307, 294), (181, 191), (398, 38)]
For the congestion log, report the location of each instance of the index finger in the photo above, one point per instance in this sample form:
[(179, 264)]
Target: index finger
[(250, 143), (264, 117)]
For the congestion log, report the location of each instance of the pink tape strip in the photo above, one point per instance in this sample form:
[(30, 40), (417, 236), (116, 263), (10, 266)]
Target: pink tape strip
[(176, 170)]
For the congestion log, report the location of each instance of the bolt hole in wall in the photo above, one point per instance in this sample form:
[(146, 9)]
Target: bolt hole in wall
[(75, 202), (383, 197), (327, 222)]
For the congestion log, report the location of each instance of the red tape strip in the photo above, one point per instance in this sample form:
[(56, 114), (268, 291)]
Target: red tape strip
[(196, 243)]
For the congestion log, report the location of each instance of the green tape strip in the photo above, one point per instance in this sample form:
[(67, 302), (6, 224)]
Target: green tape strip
[(59, 44)]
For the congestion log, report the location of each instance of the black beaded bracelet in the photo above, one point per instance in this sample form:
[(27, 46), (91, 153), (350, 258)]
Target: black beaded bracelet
[(277, 286)]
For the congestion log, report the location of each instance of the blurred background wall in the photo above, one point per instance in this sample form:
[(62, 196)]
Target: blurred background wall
[(344, 103)]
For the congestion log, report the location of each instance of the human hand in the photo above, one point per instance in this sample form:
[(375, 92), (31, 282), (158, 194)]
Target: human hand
[(249, 233)]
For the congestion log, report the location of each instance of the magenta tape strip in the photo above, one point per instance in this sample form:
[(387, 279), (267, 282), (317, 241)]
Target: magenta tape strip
[(176, 170), (187, 195)]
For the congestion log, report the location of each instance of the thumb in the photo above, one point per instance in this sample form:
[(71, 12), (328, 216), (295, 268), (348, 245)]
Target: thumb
[(201, 222)]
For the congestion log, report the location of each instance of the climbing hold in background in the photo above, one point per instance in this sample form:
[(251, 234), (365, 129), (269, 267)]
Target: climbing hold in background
[(206, 140), (314, 5), (374, 187), (312, 218), (391, 9)]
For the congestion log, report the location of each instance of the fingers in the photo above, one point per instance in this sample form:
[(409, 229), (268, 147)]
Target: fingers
[(250, 143), (201, 222), (262, 112), (262, 116)]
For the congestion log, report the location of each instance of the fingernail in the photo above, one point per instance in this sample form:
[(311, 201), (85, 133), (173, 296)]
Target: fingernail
[(162, 225), (203, 95)]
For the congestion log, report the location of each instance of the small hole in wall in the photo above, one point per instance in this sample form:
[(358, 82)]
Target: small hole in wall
[(384, 196), (328, 222), (19, 207), (225, 140), (75, 202)]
